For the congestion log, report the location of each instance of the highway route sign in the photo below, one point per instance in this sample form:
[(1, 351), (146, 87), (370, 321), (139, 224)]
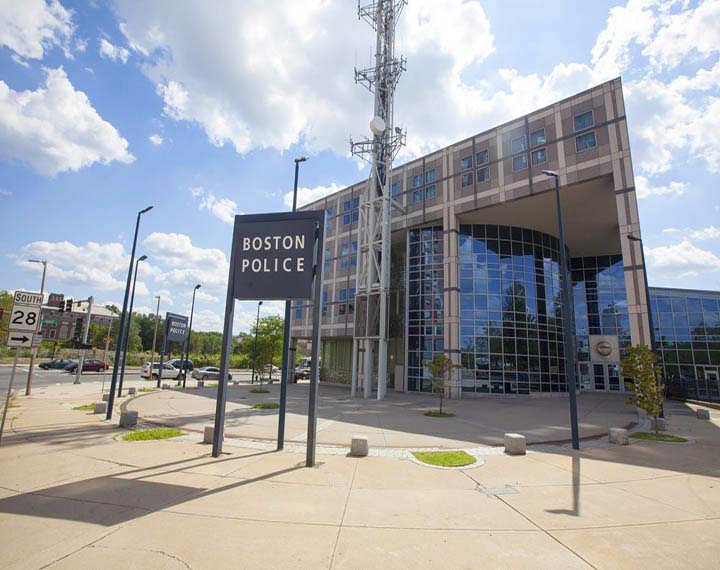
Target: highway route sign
[(25, 314)]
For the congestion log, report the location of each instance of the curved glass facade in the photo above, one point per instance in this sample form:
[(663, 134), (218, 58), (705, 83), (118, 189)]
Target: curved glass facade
[(511, 338)]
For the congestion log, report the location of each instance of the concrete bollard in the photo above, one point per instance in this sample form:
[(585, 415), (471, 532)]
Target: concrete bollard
[(659, 422), (132, 391), (209, 434), (359, 446), (236, 383), (166, 386), (515, 444), (201, 384), (703, 414), (105, 397), (100, 408), (128, 419), (618, 436)]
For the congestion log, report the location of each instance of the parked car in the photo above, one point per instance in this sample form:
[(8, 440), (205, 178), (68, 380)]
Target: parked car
[(89, 365), (177, 363), (270, 369), (169, 371), (56, 364), (302, 372), (208, 373)]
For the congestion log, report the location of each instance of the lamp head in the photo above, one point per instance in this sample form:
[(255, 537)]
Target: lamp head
[(37, 261), (552, 173), (633, 238), (143, 258), (197, 286), (301, 159), (146, 210), (259, 303)]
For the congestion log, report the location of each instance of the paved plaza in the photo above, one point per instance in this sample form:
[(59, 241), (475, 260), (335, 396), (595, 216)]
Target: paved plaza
[(397, 421), (74, 495)]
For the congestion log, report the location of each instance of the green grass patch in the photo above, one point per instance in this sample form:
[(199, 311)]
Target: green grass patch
[(666, 437), (445, 458), (148, 389), (266, 406), (438, 414), (259, 391), (156, 433), (85, 408)]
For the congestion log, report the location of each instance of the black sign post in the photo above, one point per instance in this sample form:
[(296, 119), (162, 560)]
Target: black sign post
[(175, 329), (274, 256)]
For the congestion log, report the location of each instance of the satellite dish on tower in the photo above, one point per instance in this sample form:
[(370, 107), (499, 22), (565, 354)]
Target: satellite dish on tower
[(377, 126)]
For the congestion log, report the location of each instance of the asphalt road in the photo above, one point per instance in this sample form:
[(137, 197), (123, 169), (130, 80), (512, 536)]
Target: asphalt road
[(42, 378)]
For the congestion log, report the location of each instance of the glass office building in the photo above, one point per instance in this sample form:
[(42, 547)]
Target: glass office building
[(687, 337)]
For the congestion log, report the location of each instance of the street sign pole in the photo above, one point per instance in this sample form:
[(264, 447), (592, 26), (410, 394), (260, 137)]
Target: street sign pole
[(315, 373), (7, 400), (90, 301)]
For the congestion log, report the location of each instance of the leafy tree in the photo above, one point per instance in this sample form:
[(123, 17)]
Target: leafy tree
[(441, 368), (6, 301), (639, 364)]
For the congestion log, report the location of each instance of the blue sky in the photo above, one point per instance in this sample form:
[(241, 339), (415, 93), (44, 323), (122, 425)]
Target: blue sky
[(198, 109)]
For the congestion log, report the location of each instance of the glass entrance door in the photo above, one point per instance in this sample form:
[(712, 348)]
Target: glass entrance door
[(606, 378)]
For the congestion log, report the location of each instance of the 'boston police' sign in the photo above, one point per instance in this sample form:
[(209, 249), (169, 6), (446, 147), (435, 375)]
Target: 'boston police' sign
[(273, 255)]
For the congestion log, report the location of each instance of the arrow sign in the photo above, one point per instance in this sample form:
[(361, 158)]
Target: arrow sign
[(19, 340)]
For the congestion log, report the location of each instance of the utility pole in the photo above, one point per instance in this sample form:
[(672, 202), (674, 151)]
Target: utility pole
[(372, 284), (33, 352), (157, 315), (90, 301)]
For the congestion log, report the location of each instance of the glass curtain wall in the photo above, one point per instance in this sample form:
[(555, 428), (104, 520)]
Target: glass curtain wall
[(425, 304), (511, 327)]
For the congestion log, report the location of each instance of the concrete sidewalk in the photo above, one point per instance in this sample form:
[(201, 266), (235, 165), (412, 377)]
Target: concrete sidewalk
[(73, 495)]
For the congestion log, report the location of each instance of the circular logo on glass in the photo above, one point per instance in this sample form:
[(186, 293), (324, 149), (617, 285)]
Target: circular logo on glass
[(604, 348)]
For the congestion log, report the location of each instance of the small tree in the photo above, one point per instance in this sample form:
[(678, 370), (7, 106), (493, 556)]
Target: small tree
[(639, 364), (440, 368)]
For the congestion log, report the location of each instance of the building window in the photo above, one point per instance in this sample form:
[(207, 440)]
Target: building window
[(518, 144), (351, 210), (585, 141), (342, 305), (348, 255), (298, 312), (467, 180), (328, 219), (351, 300), (394, 189), (466, 163), (417, 196), (353, 254), (584, 121), (539, 156), (482, 174), (537, 137), (430, 176), (519, 162), (430, 192), (417, 180), (326, 262), (482, 157), (324, 303)]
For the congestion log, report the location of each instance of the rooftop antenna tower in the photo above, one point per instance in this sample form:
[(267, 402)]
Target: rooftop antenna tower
[(373, 270)]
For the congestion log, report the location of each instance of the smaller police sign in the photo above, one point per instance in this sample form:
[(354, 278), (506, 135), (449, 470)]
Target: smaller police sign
[(273, 255), (175, 327)]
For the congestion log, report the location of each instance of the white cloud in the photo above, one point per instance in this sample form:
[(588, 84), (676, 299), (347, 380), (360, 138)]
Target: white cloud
[(112, 52), (645, 189), (224, 209), (307, 195), (5, 193), (680, 260), (56, 128), (155, 139), (32, 27), (207, 320), (710, 232)]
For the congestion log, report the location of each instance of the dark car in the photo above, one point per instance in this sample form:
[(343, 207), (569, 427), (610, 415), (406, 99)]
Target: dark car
[(178, 363), (89, 365), (56, 364)]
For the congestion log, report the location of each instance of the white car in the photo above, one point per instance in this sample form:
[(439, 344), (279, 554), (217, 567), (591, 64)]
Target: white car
[(169, 371)]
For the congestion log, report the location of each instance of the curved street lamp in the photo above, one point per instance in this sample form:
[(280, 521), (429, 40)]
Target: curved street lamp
[(127, 334), (183, 362)]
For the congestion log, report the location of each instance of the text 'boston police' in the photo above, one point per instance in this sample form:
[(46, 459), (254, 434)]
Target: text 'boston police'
[(274, 244)]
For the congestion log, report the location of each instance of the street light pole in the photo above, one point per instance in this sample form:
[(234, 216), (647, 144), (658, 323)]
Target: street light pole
[(84, 338), (129, 322), (287, 366), (257, 325), (649, 305), (118, 346), (152, 356), (28, 386), (183, 361), (569, 333)]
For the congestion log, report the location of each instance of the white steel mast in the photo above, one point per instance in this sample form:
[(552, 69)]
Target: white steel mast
[(373, 269)]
